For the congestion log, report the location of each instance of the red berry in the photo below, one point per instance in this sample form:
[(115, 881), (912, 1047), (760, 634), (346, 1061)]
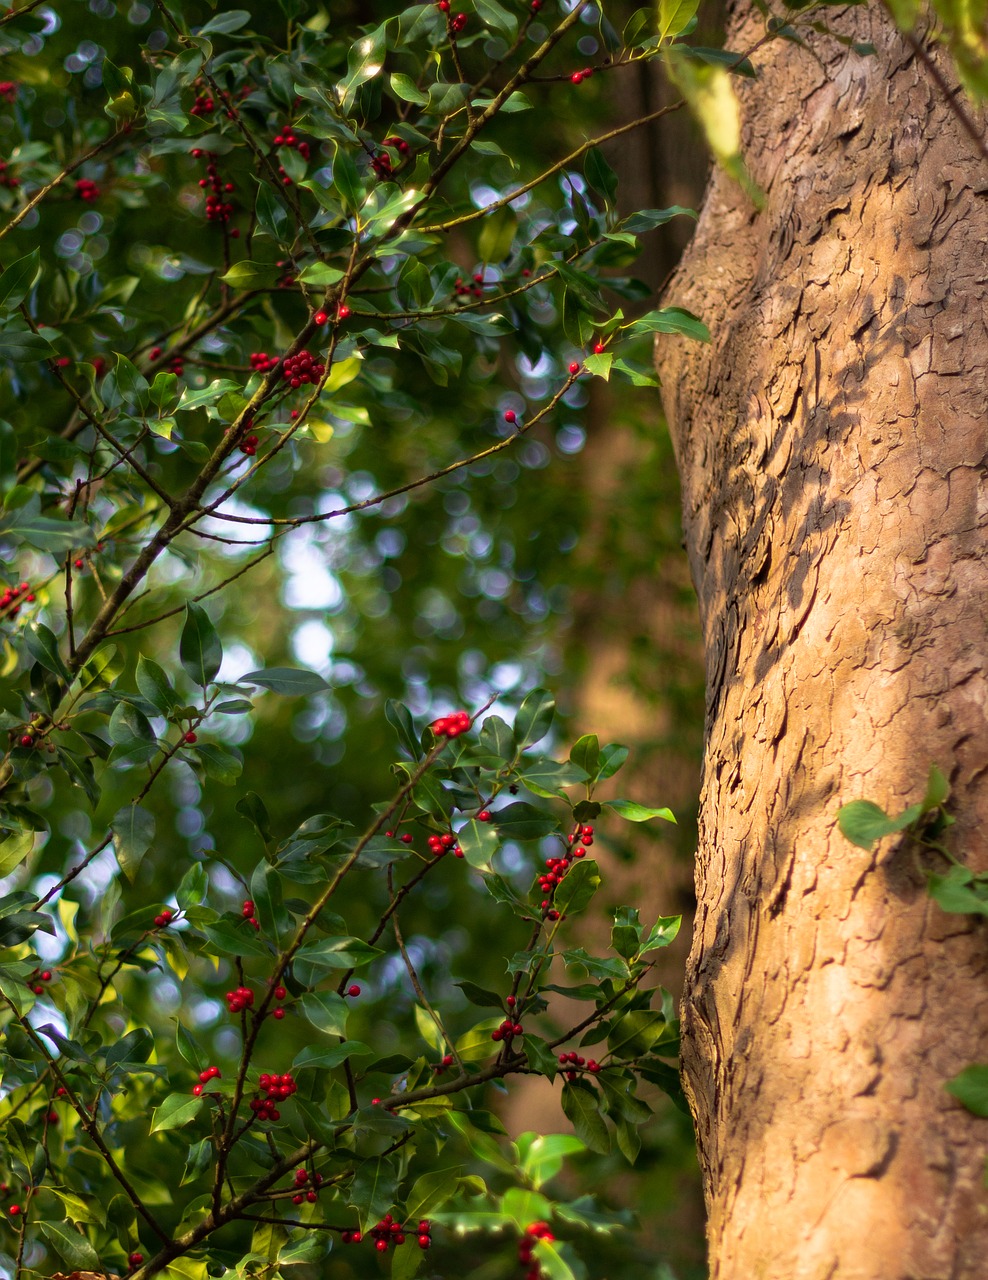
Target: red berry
[(406, 837), (27, 740), (598, 347), (320, 317), (280, 993), (197, 1090), (277, 1014), (191, 737), (576, 77), (484, 815), (510, 416), (574, 367), (135, 1259), (353, 990), (14, 1210)]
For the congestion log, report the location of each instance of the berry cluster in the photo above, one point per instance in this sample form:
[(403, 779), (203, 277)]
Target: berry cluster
[(439, 1067), (176, 363), (164, 919), (211, 1073), (571, 1060), (238, 999), (579, 840), (280, 993), (247, 910), (578, 77), (13, 597), (451, 726), (35, 979), (86, 189), (219, 208), (204, 105), (276, 1089), (8, 91), (301, 368), (464, 290), (440, 845), (534, 1231), (508, 1030), (7, 179), (287, 138), (261, 362), (311, 1195), (388, 1232)]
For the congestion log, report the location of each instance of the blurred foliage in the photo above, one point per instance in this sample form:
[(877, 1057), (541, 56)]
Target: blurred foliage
[(129, 373)]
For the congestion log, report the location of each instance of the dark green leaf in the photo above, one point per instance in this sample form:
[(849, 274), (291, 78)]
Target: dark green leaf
[(41, 644), (155, 685), (133, 835), (17, 279), (581, 883), (633, 812), (970, 1088), (225, 23), (176, 1110), (534, 718), (479, 842), (72, 1247), (292, 681), (372, 1191), (254, 810), (200, 651), (670, 320), (582, 1107)]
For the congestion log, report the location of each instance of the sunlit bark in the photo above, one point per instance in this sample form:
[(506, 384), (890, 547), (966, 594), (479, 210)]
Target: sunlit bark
[(832, 444)]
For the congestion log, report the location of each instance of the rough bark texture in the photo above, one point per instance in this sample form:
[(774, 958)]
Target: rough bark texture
[(832, 442)]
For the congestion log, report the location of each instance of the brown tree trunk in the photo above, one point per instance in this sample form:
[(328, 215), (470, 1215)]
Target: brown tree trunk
[(832, 442)]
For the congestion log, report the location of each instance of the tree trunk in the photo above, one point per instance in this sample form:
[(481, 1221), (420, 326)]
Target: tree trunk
[(832, 443)]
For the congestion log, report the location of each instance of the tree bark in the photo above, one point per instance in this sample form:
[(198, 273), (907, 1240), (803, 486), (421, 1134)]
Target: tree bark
[(832, 442)]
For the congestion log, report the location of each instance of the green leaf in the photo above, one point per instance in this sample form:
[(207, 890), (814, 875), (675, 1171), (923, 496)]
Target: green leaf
[(582, 1107), (550, 778), (133, 835), (176, 1110), (480, 996), (72, 1247), (633, 812), (496, 16), (497, 737), (326, 1011), (534, 718), (372, 1191), (15, 849), (634, 1034), (497, 235), (598, 172), (320, 274), (970, 1088), (222, 764), (612, 758), (400, 719), (45, 533), (937, 790), (675, 16), (225, 23), (670, 320), (585, 754), (17, 280), (235, 939), (479, 842), (863, 822), (662, 933), (524, 1207), (543, 1156), (407, 90), (649, 219), (252, 275), (292, 681), (580, 884), (521, 821), (960, 891), (338, 953), (430, 1191), (200, 651), (155, 685), (254, 810), (329, 1057), (41, 644)]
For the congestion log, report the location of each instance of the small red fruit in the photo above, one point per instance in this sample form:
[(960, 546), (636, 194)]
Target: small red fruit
[(353, 991), (574, 368), (191, 737), (320, 317), (511, 417)]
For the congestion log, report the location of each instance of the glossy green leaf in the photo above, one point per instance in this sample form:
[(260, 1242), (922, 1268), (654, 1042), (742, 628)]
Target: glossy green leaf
[(201, 651)]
